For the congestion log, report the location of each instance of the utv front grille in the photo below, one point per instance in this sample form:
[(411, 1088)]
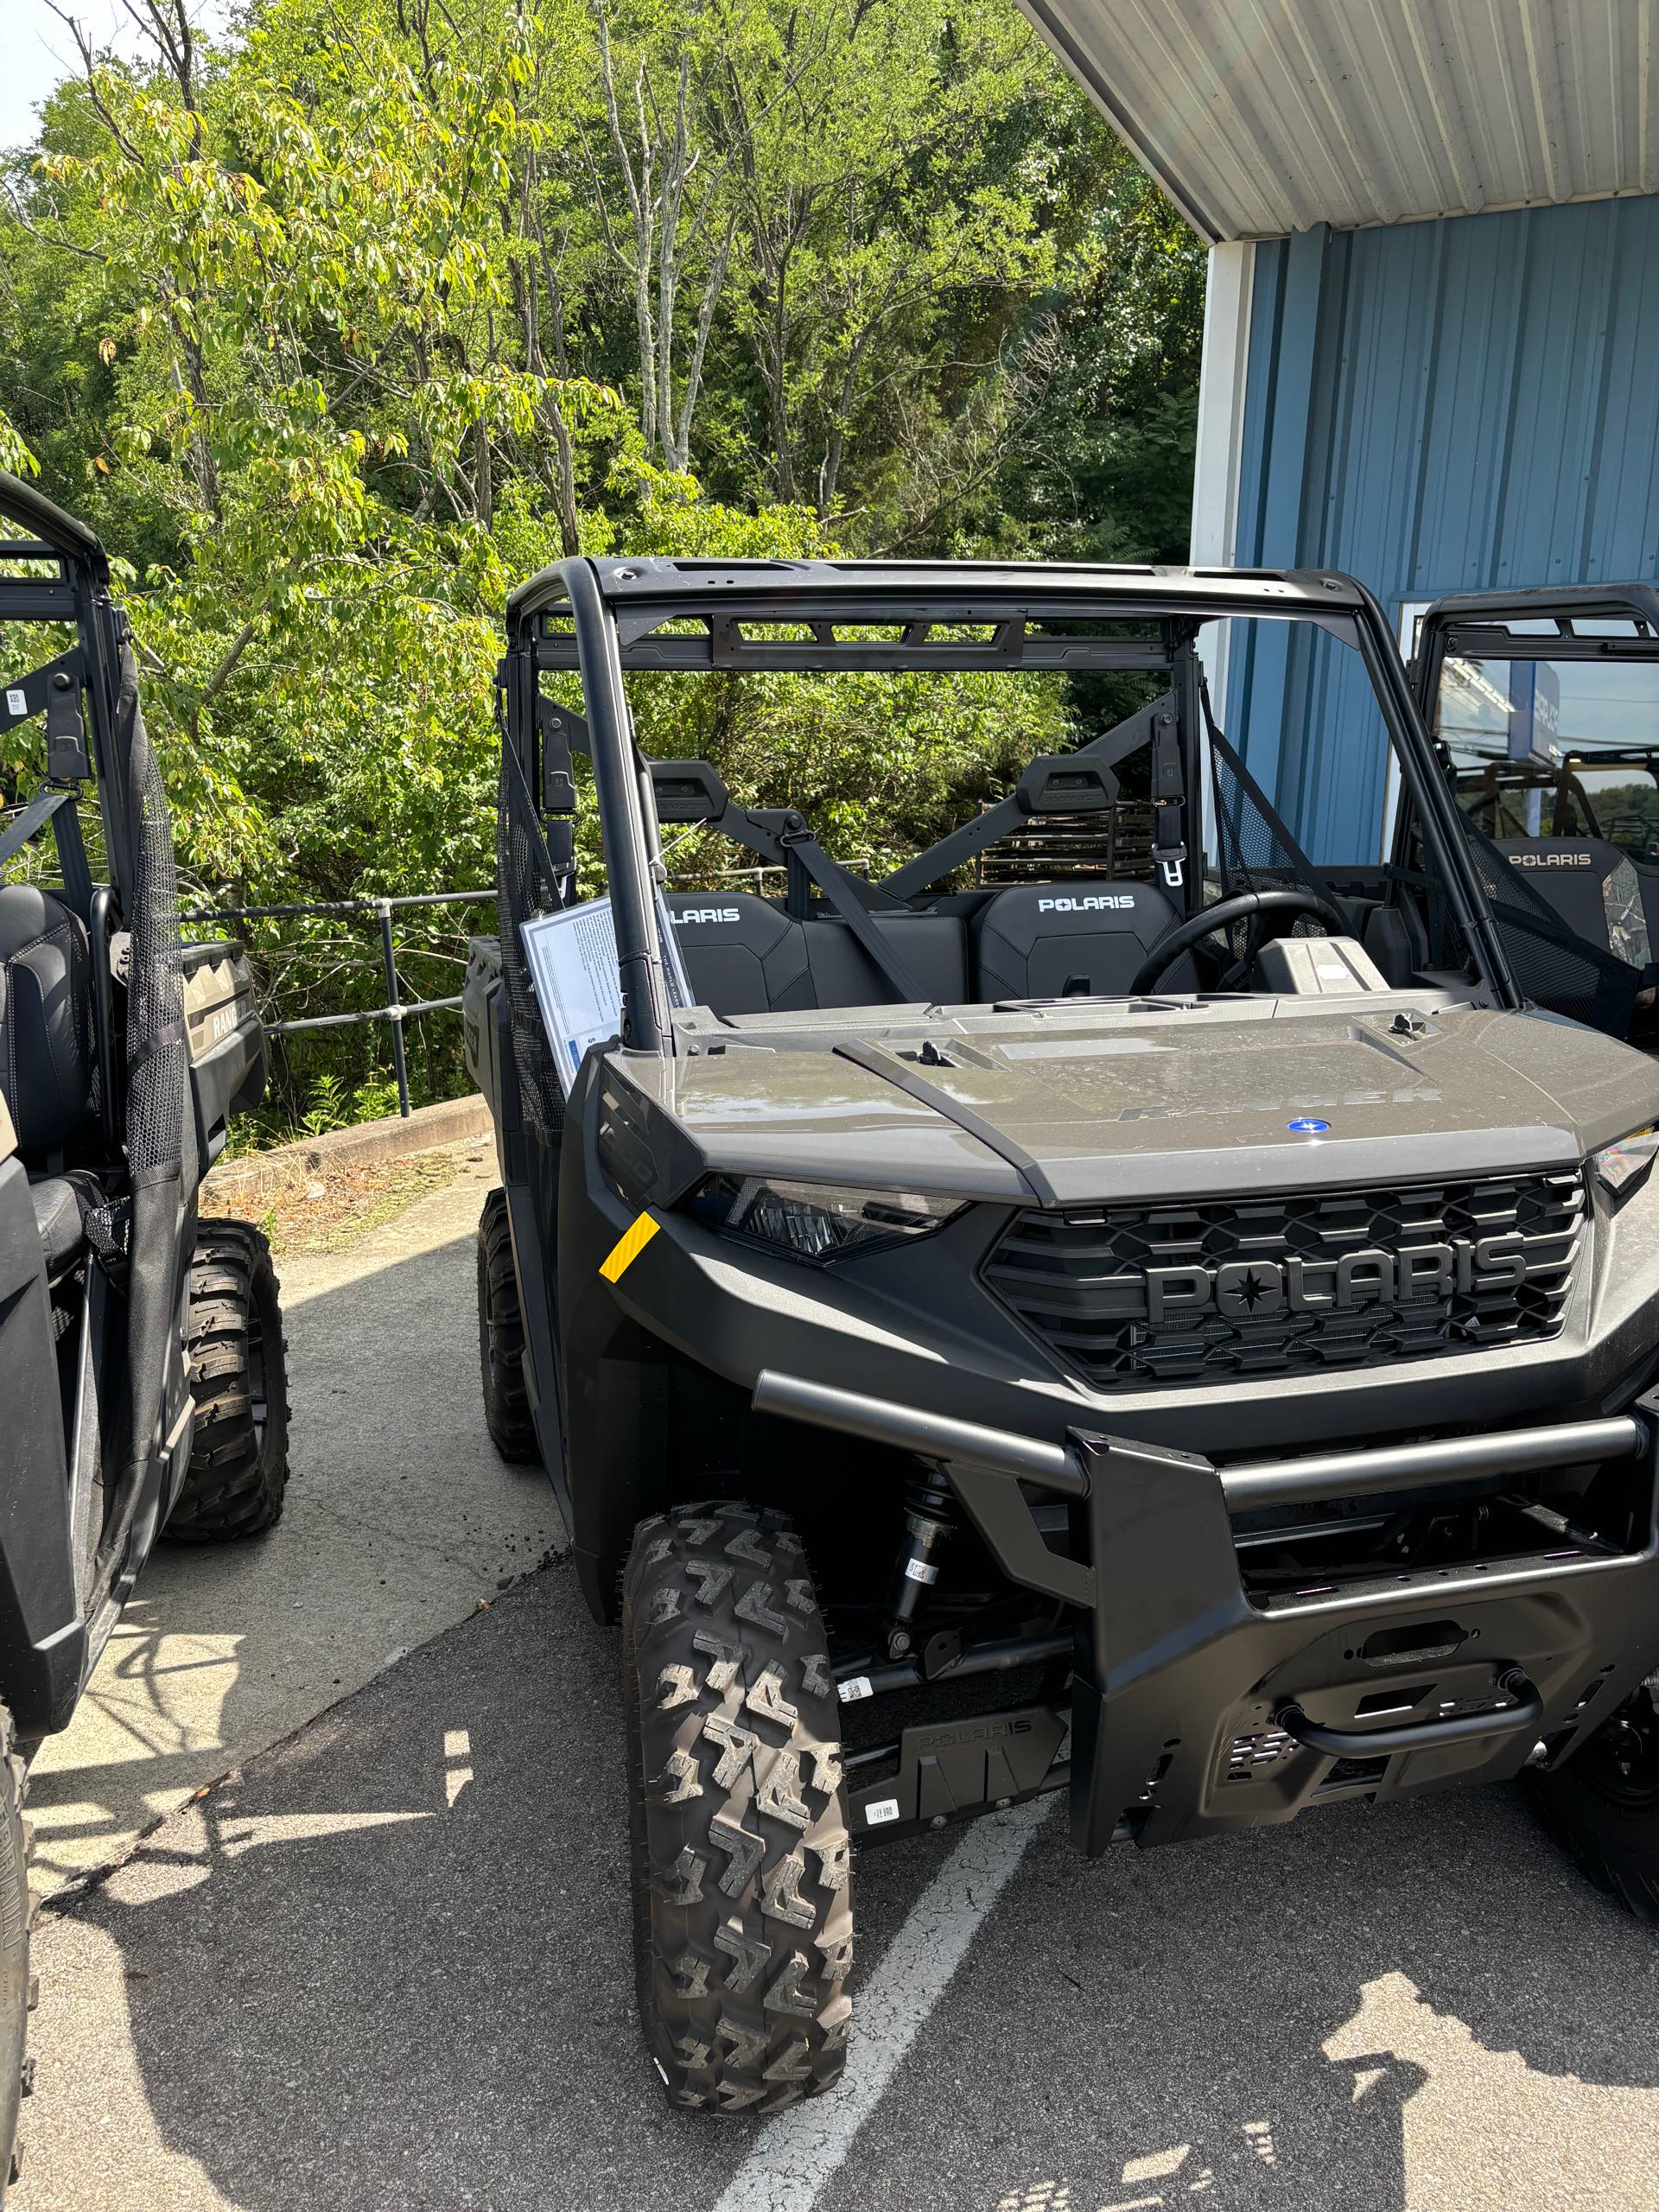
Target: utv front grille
[(1133, 1297)]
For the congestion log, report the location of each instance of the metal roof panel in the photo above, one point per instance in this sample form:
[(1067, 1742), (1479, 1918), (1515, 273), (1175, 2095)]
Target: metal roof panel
[(1261, 118)]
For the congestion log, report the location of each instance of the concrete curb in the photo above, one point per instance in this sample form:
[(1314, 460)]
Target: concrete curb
[(265, 1174)]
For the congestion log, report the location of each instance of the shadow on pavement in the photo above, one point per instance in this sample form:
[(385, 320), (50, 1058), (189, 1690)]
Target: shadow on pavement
[(400, 1515), (390, 1967), (1302, 2018)]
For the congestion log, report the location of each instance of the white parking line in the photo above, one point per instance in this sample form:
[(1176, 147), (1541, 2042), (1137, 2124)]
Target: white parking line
[(796, 2153)]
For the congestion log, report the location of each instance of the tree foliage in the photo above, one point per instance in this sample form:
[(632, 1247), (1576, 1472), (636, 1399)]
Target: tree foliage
[(338, 328)]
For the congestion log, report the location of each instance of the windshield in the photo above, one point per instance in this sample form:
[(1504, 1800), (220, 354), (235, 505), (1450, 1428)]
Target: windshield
[(1556, 748), (1553, 757), (1034, 800)]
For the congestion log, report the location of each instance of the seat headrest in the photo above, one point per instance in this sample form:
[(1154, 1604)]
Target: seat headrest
[(46, 1018), (1025, 911), (1054, 940)]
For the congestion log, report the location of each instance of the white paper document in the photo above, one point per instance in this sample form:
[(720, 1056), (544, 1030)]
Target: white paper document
[(572, 956)]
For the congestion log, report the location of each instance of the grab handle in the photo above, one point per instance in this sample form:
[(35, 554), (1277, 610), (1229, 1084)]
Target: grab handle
[(1417, 1735)]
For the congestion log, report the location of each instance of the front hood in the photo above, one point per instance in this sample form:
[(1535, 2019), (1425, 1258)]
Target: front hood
[(1193, 1101)]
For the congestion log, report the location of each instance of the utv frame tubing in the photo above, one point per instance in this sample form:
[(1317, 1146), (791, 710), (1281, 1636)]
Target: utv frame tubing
[(44, 1641), (614, 611), (81, 598)]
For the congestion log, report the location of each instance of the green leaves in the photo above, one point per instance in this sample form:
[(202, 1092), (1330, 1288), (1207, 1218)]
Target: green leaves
[(14, 456), (344, 327)]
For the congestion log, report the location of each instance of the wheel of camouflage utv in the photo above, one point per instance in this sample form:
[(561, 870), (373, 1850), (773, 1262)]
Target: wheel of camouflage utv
[(501, 1338), (16, 1983), (236, 1357), (1603, 1806), (743, 1929)]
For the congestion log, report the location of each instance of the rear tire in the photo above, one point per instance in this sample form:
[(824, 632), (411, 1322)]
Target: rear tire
[(1603, 1806), (239, 1372), (501, 1339), (743, 1927), (17, 1984)]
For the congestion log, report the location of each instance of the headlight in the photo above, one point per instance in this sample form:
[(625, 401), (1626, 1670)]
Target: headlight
[(1623, 1167), (817, 1221)]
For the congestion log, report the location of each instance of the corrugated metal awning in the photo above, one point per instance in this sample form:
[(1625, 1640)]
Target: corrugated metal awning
[(1260, 117)]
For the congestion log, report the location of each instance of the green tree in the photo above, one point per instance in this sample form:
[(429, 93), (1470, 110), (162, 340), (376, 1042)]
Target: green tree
[(337, 329)]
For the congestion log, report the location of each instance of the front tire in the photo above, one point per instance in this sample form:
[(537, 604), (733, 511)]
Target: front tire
[(501, 1339), (1603, 1806), (237, 1475), (743, 1928)]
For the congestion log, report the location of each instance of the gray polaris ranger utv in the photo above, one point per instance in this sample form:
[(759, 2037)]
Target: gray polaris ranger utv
[(1180, 1336), (141, 1350)]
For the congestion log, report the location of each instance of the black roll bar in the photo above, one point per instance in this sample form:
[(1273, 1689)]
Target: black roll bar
[(62, 533), (614, 610), (621, 801), (1436, 810)]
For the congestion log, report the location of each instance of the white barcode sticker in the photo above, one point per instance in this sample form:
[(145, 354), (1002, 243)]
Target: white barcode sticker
[(16, 702), (918, 1570), (885, 1808), (855, 1687)]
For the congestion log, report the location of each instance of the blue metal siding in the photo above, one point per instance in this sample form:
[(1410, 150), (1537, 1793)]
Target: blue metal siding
[(1436, 407)]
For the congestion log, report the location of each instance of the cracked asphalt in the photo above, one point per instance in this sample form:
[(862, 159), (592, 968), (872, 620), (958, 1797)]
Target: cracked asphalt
[(385, 1964)]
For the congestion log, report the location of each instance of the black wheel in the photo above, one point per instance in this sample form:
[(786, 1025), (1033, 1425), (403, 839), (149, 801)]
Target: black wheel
[(501, 1338), (16, 1983), (743, 1925), (1603, 1806), (238, 1373)]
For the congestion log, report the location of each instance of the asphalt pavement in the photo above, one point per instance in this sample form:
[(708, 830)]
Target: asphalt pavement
[(386, 1964), (400, 1520)]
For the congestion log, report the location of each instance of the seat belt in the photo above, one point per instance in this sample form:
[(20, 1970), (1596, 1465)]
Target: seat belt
[(1169, 802), (36, 816), (803, 848)]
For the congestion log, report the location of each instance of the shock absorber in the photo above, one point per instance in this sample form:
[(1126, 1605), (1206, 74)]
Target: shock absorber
[(930, 1522)]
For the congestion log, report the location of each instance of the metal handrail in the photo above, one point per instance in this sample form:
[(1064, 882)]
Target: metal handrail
[(396, 1009)]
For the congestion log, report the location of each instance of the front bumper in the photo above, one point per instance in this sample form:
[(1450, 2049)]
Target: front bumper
[(1199, 1707)]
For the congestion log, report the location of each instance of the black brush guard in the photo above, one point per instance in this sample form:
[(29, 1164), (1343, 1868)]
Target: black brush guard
[(1198, 1709)]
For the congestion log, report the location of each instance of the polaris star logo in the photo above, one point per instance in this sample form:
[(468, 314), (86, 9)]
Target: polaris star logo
[(1550, 860), (706, 914), (1118, 901), (1247, 1290)]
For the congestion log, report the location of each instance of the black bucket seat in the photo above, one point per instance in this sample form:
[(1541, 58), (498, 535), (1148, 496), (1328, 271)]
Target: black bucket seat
[(46, 1059)]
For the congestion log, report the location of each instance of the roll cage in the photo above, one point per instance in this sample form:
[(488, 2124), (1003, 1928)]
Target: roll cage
[(97, 1400), (1547, 946), (78, 690), (603, 618)]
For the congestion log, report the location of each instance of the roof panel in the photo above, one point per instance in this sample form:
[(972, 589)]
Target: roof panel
[(1260, 117)]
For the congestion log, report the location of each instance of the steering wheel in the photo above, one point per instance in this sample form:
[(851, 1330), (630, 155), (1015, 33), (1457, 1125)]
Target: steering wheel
[(1184, 935)]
